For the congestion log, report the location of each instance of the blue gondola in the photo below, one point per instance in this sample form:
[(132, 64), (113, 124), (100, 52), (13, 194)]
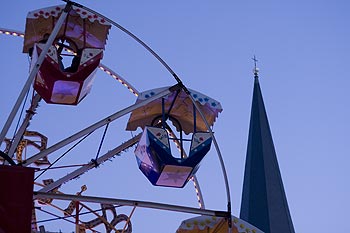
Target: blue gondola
[(157, 163), (153, 152)]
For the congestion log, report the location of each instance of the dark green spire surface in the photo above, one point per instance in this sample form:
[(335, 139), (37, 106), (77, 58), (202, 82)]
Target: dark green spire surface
[(264, 202)]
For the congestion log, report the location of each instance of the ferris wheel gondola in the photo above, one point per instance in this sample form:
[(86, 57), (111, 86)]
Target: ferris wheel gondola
[(153, 153), (83, 34)]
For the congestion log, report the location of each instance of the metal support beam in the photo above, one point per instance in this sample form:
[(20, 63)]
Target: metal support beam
[(91, 165), (34, 72), (124, 202), (96, 126)]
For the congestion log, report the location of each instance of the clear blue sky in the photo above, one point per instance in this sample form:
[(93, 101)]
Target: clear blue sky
[(303, 52)]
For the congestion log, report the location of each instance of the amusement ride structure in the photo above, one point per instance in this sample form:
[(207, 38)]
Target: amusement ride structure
[(66, 45)]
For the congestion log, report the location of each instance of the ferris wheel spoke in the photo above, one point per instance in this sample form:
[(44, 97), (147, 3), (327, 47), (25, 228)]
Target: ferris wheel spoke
[(91, 165), (96, 126), (125, 202)]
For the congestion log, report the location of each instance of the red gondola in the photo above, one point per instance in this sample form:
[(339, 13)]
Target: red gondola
[(79, 42)]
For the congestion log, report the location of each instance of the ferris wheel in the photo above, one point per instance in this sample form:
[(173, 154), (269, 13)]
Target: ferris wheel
[(170, 128)]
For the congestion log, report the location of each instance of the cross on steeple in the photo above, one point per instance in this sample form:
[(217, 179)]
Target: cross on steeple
[(255, 70)]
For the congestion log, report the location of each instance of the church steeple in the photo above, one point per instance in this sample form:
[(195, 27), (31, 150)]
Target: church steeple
[(264, 202)]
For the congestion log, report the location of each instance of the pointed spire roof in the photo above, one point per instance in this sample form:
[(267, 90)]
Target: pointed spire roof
[(264, 203)]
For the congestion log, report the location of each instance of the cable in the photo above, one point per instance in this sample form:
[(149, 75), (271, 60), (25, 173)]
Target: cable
[(44, 170), (99, 148), (59, 167)]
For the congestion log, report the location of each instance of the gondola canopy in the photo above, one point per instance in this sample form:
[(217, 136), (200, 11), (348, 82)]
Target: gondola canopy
[(181, 108), (82, 27), (213, 224)]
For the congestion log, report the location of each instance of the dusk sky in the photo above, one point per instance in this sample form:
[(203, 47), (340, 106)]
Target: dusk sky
[(302, 48)]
